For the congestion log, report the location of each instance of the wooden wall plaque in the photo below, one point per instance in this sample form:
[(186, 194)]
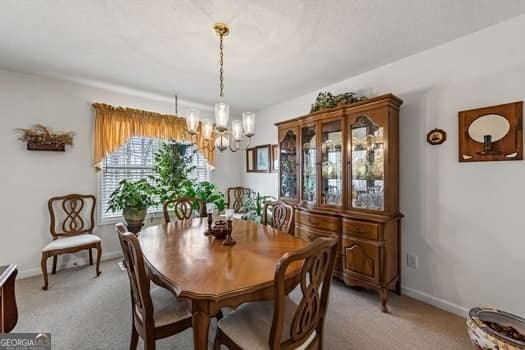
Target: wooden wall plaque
[(491, 133)]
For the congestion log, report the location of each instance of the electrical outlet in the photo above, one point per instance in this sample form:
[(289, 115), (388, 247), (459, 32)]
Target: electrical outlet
[(412, 261)]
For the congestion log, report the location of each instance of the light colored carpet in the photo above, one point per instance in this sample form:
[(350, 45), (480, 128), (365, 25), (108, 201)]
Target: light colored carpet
[(84, 312)]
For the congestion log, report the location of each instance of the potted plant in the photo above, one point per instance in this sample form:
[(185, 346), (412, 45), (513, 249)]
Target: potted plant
[(172, 169), (206, 191), (253, 207), (134, 199)]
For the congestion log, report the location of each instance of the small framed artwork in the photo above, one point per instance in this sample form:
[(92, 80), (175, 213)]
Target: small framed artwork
[(262, 155), (436, 137), (250, 160), (275, 158)]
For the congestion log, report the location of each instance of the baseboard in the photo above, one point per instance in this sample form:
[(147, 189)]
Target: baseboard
[(38, 271), (435, 301)]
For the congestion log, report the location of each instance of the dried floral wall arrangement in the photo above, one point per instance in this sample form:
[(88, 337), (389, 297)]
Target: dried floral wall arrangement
[(326, 100), (41, 138)]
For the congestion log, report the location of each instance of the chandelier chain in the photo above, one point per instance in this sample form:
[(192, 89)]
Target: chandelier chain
[(221, 70)]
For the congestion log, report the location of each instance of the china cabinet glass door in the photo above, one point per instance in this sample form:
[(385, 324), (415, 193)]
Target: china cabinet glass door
[(288, 165), (332, 163), (309, 166), (367, 179)]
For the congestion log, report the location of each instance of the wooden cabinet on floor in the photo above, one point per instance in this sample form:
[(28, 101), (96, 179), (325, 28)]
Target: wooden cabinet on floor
[(340, 170)]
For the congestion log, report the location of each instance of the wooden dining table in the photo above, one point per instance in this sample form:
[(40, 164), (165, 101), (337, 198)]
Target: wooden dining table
[(180, 257)]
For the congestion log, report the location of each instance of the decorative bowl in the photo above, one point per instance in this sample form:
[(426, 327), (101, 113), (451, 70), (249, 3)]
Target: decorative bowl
[(492, 329)]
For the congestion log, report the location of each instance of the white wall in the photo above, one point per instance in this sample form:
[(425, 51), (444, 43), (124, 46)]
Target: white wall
[(464, 221), (29, 179)]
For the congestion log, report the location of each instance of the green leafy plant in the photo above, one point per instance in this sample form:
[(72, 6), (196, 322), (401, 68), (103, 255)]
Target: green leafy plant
[(326, 100), (172, 167), (254, 205), (132, 196), (206, 191)]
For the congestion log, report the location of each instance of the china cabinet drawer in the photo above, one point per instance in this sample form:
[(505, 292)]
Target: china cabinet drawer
[(362, 229), (317, 221), (309, 234), (361, 258)]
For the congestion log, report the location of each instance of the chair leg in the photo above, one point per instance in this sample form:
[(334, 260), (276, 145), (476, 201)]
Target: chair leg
[(55, 258), (149, 343), (99, 255), (219, 315), (90, 256), (218, 340), (43, 264), (134, 338)]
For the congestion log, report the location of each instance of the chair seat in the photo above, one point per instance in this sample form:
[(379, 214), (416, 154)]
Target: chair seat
[(167, 308), (72, 241), (249, 325)]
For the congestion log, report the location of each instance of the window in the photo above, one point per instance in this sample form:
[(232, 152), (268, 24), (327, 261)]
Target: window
[(135, 160)]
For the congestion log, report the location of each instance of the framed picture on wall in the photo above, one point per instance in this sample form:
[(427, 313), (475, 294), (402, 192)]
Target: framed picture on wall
[(262, 161), (275, 158), (250, 160)]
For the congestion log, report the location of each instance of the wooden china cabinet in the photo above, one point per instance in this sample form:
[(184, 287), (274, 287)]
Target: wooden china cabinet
[(340, 170)]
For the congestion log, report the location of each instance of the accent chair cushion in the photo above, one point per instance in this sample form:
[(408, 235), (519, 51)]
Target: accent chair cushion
[(167, 308), (72, 241), (249, 325)]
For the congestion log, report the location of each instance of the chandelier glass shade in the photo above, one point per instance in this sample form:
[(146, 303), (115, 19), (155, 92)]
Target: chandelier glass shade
[(219, 131)]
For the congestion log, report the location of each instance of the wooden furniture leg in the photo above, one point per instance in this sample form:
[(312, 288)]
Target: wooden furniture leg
[(384, 297), (90, 256), (398, 287), (55, 258), (201, 325), (99, 255), (8, 308), (43, 265)]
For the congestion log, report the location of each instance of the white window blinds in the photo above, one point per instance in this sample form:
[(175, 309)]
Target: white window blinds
[(133, 161)]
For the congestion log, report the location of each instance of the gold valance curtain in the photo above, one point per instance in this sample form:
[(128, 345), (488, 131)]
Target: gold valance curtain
[(116, 125)]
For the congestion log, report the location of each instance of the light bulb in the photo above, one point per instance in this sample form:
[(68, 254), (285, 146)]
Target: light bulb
[(192, 121), (248, 123), (236, 130), (222, 114), (207, 130)]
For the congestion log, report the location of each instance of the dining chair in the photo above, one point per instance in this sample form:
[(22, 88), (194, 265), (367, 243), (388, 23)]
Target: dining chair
[(155, 313), (72, 221), (236, 197), (283, 324), (281, 217), (183, 208)]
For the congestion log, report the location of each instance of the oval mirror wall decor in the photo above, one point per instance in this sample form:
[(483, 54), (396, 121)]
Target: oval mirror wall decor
[(491, 133), (493, 125)]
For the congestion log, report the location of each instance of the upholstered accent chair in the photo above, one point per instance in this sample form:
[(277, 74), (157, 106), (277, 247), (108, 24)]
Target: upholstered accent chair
[(183, 208), (72, 221), (236, 197), (281, 217), (282, 323), (155, 313)]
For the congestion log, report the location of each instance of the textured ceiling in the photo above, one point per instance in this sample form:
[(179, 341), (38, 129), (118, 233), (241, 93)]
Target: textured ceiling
[(277, 49)]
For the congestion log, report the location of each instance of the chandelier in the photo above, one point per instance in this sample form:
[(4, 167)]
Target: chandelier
[(224, 137)]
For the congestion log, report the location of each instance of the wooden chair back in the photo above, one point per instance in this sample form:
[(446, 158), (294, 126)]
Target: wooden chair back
[(236, 197), (183, 208), (138, 279), (318, 260), (71, 215), (281, 218)]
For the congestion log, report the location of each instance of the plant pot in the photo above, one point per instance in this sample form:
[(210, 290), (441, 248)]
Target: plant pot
[(134, 216), (486, 338)]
